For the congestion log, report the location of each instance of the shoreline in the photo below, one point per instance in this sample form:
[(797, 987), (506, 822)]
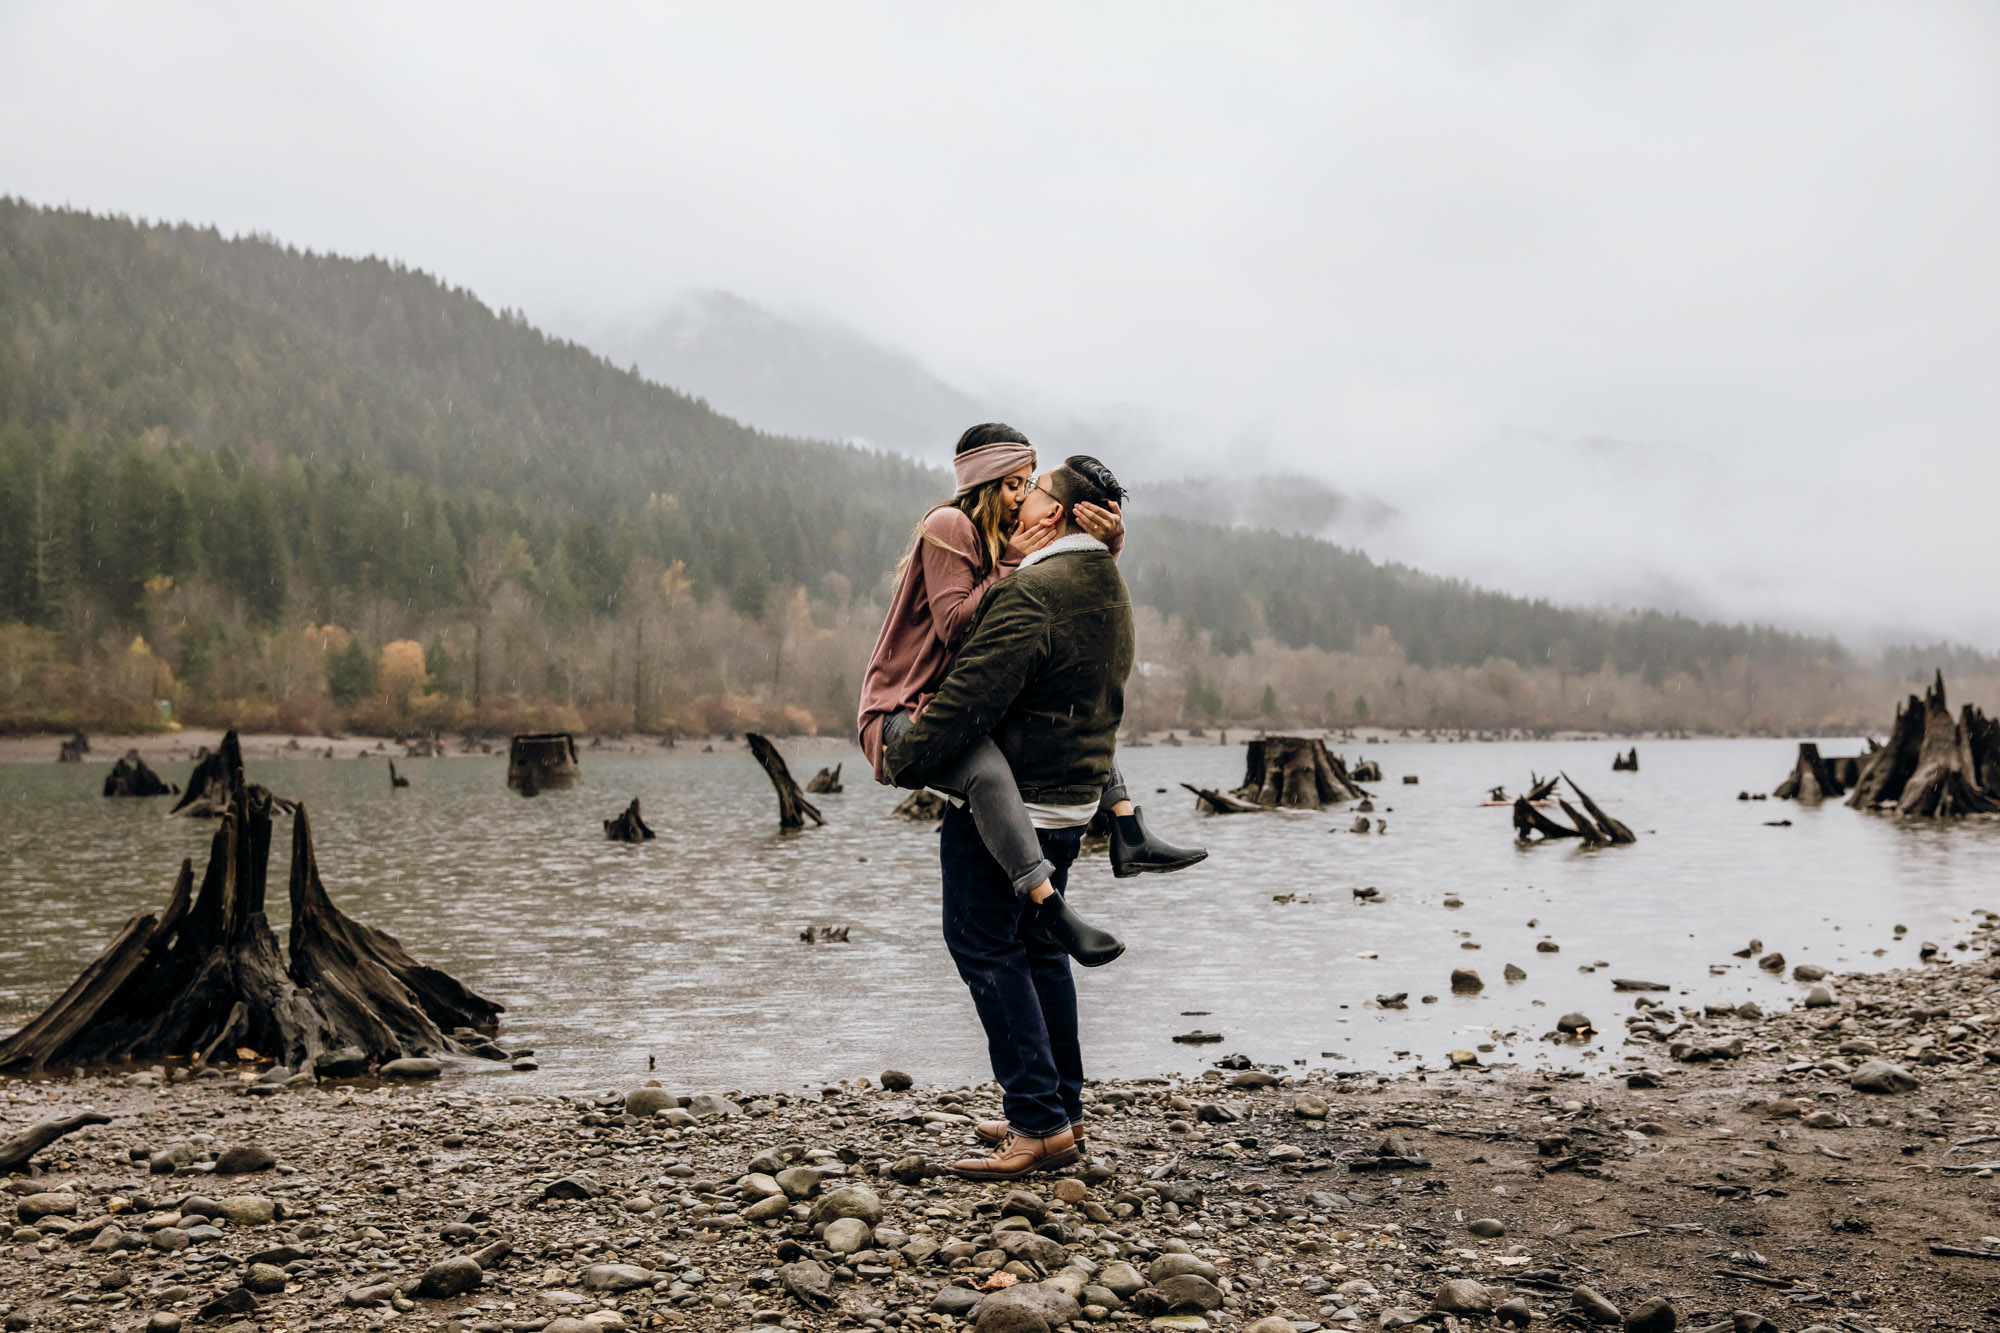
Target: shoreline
[(1740, 1169)]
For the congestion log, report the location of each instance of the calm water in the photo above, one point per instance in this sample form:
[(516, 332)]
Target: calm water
[(687, 948)]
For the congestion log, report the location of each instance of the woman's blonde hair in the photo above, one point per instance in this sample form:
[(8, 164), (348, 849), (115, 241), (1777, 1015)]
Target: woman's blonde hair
[(985, 505)]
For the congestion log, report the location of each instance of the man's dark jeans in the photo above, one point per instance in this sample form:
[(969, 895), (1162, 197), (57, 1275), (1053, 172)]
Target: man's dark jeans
[(1018, 976)]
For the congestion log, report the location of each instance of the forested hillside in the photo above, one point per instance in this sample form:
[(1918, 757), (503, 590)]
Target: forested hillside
[(234, 475)]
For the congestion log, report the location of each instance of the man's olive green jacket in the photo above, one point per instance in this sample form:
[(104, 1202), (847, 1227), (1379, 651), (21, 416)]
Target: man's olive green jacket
[(1043, 672)]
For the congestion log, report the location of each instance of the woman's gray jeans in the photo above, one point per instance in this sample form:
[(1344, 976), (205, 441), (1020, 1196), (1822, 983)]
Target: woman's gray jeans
[(984, 780)]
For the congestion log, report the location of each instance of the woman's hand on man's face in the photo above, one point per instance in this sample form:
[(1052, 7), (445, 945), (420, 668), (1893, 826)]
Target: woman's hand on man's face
[(1029, 538), (1101, 522)]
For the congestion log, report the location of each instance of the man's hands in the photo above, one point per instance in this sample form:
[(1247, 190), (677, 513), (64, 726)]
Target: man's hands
[(1101, 522)]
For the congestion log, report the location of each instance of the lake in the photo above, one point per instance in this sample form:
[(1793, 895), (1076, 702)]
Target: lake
[(687, 949)]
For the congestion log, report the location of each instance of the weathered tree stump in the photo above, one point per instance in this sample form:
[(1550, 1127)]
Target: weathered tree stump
[(203, 977), (1295, 773), (826, 781), (215, 777), (1540, 789), (1529, 823), (17, 1152), (542, 761), (1813, 779), (396, 780), (74, 749), (628, 827), (1367, 770), (1626, 763), (1593, 826), (922, 807), (1612, 831), (793, 808), (131, 776), (1933, 767)]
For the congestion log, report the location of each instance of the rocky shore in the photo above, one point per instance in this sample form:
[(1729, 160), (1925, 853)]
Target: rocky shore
[(1828, 1168)]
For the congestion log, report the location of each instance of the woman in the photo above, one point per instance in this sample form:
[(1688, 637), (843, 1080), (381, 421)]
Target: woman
[(959, 550)]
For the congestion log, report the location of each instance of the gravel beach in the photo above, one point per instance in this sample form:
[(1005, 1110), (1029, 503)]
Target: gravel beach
[(1785, 1172)]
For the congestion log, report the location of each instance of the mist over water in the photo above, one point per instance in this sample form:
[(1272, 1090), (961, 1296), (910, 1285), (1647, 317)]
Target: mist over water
[(687, 948)]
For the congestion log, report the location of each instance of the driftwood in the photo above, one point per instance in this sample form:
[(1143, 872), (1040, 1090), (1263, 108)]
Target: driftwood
[(203, 978), (1296, 773), (18, 1151), (1211, 802), (1813, 778), (1592, 835), (1626, 763), (74, 749), (793, 808), (1529, 821), (923, 807), (131, 776), (628, 827), (542, 761), (1933, 766), (1540, 789), (827, 780), (1614, 832)]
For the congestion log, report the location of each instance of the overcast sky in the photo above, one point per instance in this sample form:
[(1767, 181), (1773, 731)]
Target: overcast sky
[(1690, 304)]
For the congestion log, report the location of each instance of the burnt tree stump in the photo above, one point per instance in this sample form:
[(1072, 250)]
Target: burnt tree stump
[(74, 749), (793, 808), (132, 776), (826, 781), (1813, 779), (1626, 763), (628, 827), (1933, 767), (203, 977), (922, 807), (542, 761), (1294, 773)]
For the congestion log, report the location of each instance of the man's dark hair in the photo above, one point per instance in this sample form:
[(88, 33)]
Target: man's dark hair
[(991, 432), (1083, 480)]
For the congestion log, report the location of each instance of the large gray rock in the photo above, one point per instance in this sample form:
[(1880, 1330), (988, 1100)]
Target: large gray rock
[(1173, 1265), (848, 1201), (767, 1210), (712, 1106), (347, 1062), (1881, 1076), (1462, 1295), (649, 1102), (412, 1067), (1189, 1293), (265, 1279), (616, 1277), (450, 1277), (845, 1235), (1032, 1247), (246, 1210), (35, 1207), (1594, 1306), (956, 1301), (1051, 1305), (808, 1284), (1654, 1316), (1122, 1279), (799, 1182), (244, 1158)]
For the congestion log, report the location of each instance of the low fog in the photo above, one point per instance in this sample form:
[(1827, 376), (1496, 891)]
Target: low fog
[(1684, 305)]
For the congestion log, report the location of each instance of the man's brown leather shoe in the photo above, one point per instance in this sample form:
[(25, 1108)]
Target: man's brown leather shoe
[(995, 1131), (1019, 1155)]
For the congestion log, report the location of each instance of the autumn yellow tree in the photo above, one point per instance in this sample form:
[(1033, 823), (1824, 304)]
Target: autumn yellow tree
[(401, 672)]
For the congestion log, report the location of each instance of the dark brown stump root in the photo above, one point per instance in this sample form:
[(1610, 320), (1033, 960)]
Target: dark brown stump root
[(1530, 822), (210, 785), (1813, 779), (1592, 835), (826, 781), (1295, 773), (1540, 789), (17, 1152), (1613, 832), (131, 776), (628, 827), (793, 808), (922, 807), (542, 761), (373, 993), (1887, 771), (1211, 802)]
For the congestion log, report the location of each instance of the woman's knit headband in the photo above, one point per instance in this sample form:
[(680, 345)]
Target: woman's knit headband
[(990, 462)]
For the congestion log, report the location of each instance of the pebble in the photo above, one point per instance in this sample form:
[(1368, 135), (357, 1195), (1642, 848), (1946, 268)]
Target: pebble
[(1465, 981), (895, 1080), (412, 1067), (1307, 1106), (1593, 1306), (1656, 1315), (1882, 1077), (1487, 1228), (243, 1159), (616, 1277), (450, 1277), (649, 1101), (1462, 1295)]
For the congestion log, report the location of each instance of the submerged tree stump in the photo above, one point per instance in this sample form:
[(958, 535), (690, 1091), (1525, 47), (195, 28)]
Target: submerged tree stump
[(131, 776), (922, 807), (542, 761), (74, 749), (1626, 763), (1813, 779), (793, 808), (203, 977), (1294, 773), (1933, 767), (628, 827), (1367, 770), (827, 781), (1592, 825)]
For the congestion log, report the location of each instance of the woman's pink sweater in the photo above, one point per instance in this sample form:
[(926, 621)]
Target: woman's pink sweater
[(932, 609)]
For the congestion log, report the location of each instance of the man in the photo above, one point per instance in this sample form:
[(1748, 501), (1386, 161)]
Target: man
[(1043, 671)]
